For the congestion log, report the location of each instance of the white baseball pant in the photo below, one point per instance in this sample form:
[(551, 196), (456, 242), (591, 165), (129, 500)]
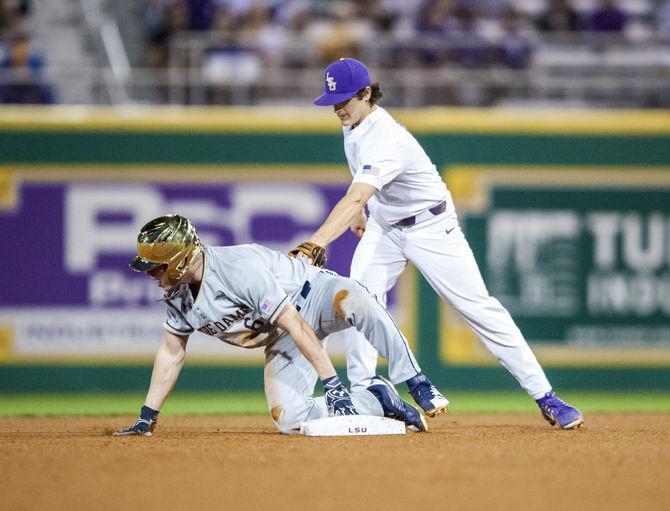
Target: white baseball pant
[(334, 303), (439, 250)]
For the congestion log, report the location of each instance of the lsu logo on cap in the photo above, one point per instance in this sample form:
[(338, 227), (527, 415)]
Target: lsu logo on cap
[(330, 82)]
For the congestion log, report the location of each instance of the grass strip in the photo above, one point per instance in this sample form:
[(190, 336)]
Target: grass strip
[(231, 403)]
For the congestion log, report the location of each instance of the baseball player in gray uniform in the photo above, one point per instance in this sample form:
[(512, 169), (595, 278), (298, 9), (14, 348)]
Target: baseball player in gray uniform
[(251, 296), (412, 218)]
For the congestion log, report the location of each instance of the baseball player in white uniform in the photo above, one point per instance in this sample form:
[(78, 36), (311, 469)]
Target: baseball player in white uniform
[(412, 218), (251, 296)]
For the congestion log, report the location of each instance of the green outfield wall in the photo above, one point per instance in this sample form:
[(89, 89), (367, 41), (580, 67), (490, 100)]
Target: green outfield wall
[(568, 213)]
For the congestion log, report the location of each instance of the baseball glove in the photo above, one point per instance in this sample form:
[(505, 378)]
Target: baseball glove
[(314, 252)]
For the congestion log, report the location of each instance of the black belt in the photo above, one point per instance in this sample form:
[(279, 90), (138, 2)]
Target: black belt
[(411, 220)]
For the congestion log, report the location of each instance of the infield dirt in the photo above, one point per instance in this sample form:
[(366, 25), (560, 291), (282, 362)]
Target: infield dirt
[(467, 462)]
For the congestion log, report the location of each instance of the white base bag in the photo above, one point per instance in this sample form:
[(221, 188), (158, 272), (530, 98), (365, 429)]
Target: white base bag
[(352, 425)]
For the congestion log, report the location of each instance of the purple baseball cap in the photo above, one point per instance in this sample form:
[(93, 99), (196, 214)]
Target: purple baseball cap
[(342, 80)]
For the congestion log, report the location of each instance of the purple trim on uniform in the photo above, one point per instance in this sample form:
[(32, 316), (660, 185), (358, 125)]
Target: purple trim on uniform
[(411, 220)]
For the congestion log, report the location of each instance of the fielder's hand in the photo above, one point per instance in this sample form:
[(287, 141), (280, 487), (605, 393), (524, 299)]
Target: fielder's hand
[(144, 425), (338, 399), (359, 224), (315, 253)]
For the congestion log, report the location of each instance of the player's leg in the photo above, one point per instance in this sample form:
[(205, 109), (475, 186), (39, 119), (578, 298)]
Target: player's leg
[(289, 386), (328, 292), (443, 256), (377, 263), (446, 261), (346, 303), (353, 305)]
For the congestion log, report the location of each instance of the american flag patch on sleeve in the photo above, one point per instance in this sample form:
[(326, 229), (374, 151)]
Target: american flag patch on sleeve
[(369, 169), (267, 305)]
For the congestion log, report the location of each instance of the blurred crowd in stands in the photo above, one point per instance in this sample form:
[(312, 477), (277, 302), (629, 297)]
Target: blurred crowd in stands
[(469, 33), (236, 43), (21, 66)]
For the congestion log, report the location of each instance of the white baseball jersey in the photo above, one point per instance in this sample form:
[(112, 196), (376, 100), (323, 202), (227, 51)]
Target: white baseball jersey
[(243, 290), (383, 154)]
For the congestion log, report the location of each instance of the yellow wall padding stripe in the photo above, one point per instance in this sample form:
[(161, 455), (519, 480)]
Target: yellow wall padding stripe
[(322, 120)]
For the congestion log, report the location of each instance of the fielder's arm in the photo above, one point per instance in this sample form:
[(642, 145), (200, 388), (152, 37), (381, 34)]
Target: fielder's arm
[(167, 366), (308, 343), (345, 213)]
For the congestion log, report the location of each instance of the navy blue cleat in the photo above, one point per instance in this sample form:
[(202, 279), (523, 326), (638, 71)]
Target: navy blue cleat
[(557, 411), (427, 396), (393, 405)]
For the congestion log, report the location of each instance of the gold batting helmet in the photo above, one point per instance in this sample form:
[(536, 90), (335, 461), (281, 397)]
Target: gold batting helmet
[(171, 240)]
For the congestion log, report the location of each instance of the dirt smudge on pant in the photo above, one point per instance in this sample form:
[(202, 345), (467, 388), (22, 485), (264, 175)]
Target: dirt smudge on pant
[(339, 297)]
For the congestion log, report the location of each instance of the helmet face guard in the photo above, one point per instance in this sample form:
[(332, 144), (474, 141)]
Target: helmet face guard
[(171, 240)]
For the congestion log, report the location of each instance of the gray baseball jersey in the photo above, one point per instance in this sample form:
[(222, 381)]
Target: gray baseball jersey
[(243, 290)]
